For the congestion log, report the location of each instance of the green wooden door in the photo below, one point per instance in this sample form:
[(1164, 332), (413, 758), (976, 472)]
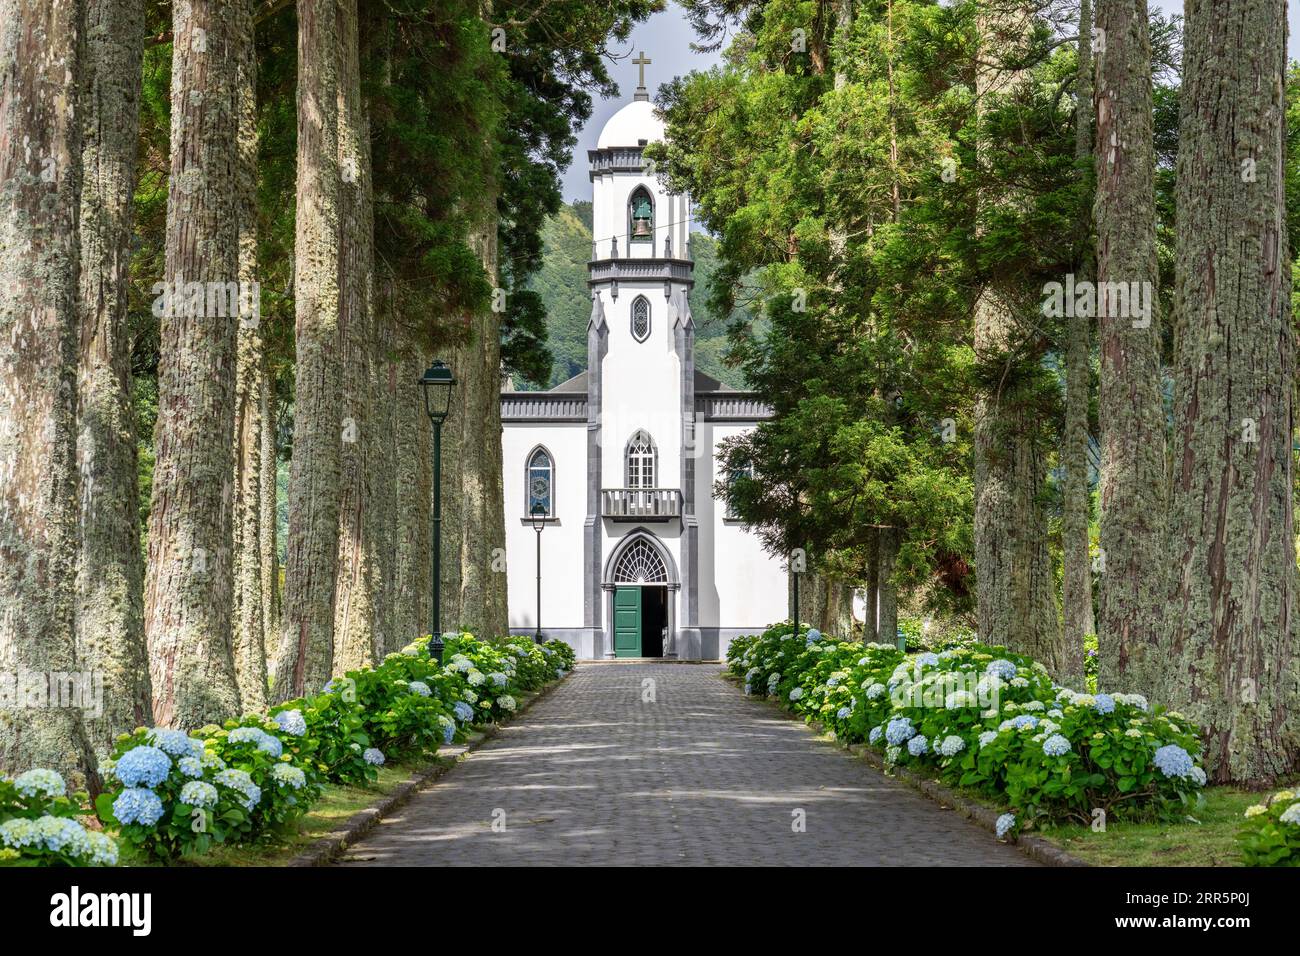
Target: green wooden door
[(627, 622)]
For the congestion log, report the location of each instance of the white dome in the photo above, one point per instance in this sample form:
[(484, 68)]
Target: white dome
[(631, 124)]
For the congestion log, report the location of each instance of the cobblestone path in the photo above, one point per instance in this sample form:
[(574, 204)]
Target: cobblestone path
[(701, 775)]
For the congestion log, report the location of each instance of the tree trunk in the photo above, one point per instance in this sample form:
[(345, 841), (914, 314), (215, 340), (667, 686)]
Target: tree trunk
[(110, 572), (887, 630), (414, 474), (1016, 591), (1131, 407), (188, 576), (40, 185), (269, 517), (871, 593), (306, 652), (482, 609), (249, 634), (1232, 637), (1076, 507), (355, 600)]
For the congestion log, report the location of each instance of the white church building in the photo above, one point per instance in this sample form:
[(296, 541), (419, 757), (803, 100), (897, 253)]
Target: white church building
[(637, 557)]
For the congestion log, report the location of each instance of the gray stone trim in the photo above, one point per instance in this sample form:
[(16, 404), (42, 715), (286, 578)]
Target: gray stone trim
[(732, 407), (536, 407), (684, 343), (597, 346), (603, 271), (615, 159)]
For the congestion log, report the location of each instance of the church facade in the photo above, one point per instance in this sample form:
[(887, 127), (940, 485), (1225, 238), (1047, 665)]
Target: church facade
[(617, 465)]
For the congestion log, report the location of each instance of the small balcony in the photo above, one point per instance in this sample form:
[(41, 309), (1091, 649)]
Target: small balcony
[(641, 504)]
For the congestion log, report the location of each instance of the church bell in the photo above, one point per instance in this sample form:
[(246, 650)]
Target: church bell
[(641, 229)]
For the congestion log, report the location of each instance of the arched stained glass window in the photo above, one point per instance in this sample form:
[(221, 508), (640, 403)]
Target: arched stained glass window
[(640, 460), (640, 564), (541, 474), (640, 318)]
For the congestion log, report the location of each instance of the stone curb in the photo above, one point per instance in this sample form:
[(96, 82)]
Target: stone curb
[(326, 849), (1035, 847)]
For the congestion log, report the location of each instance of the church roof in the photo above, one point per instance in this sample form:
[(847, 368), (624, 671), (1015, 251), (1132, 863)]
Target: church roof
[(630, 125), (703, 383)]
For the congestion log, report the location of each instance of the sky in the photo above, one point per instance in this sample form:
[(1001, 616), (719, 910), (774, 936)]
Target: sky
[(666, 39)]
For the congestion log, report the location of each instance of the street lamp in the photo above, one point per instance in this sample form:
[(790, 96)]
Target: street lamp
[(437, 384), (537, 516)]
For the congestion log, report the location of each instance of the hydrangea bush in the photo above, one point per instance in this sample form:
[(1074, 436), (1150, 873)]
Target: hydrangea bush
[(1270, 835), (983, 718), (39, 824)]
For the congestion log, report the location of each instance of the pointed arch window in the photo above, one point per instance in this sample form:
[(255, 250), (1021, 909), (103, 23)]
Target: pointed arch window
[(641, 460), (541, 483), (641, 216), (640, 318)]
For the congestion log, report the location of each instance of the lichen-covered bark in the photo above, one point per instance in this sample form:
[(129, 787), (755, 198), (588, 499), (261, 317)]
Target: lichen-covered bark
[(1232, 650), (249, 635), (356, 588), (414, 473), (306, 651), (268, 520), (110, 572), (1130, 406), (188, 575), (887, 555), (1076, 498), (40, 182), (482, 605), (1016, 590)]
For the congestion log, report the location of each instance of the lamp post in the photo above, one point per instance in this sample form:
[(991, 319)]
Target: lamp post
[(537, 516), (437, 383)]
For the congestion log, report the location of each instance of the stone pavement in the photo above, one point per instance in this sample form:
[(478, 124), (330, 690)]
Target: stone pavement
[(702, 775)]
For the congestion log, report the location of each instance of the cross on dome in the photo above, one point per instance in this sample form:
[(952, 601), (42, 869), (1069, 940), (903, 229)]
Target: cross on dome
[(641, 62)]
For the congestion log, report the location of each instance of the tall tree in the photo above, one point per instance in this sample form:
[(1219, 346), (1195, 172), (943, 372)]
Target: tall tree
[(110, 572), (1076, 495), (1017, 593), (1130, 404), (1232, 631), (306, 652), (249, 634), (40, 186), (358, 584), (188, 583)]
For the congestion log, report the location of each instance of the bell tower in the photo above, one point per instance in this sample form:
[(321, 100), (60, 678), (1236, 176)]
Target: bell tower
[(641, 367)]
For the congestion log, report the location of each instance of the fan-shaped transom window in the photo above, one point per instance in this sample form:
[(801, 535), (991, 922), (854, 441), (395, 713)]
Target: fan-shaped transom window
[(640, 318), (541, 474), (640, 461), (640, 563)]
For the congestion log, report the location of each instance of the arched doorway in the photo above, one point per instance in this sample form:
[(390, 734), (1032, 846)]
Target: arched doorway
[(640, 583)]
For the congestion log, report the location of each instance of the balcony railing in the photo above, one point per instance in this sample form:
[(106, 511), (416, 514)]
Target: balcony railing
[(641, 504)]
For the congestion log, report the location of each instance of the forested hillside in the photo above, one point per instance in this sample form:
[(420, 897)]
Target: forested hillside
[(562, 284)]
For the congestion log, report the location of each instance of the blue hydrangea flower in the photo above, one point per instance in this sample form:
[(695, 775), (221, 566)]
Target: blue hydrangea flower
[(1104, 703), (448, 729), (1024, 722), (1002, 668), (796, 693), (1291, 815), (1056, 745), (196, 793), (899, 731), (1173, 761), (927, 660), (419, 687), (464, 711), (498, 678), (100, 849), (876, 690), (190, 766), (1004, 824), (61, 834), (842, 713), (373, 756), (138, 805), (876, 733), (952, 745), (918, 745), (291, 722), (988, 737), (240, 781), (143, 766), (287, 775), (40, 782), (1198, 776), (19, 832), (506, 702), (173, 742), (812, 636)]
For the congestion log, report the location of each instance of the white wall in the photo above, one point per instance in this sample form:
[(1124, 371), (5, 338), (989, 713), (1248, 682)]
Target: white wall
[(741, 586), (562, 591)]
